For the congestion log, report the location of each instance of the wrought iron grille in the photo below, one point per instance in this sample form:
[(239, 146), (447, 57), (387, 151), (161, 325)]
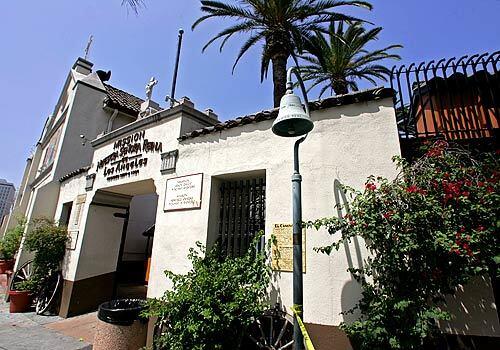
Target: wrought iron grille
[(241, 214), (455, 99), (169, 161)]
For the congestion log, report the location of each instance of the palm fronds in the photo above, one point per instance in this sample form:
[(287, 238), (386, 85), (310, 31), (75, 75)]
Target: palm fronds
[(341, 59), (280, 27)]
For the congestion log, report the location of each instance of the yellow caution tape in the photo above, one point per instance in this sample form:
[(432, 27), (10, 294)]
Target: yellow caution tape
[(307, 340)]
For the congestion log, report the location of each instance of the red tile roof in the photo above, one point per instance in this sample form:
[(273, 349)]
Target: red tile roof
[(122, 100)]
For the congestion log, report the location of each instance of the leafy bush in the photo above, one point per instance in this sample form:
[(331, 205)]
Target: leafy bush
[(432, 228), (212, 305), (9, 244), (48, 241)]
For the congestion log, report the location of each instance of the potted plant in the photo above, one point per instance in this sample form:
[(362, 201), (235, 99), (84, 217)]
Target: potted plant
[(9, 246), (21, 296), (47, 241)]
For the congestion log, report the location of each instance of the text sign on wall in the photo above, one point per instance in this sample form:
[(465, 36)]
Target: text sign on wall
[(183, 192), (282, 248), (74, 223), (128, 157)]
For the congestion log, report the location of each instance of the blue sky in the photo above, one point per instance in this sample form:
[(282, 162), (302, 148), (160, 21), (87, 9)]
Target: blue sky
[(41, 39)]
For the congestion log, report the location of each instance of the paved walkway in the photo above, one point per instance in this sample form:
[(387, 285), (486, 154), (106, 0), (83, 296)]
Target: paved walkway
[(28, 331)]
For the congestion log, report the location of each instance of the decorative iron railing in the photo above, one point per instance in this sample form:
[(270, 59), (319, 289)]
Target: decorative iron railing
[(455, 99), (241, 214)]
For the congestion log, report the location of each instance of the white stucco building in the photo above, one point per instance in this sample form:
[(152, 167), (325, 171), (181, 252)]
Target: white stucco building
[(140, 191)]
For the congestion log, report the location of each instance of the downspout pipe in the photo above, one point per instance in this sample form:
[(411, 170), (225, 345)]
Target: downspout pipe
[(111, 120)]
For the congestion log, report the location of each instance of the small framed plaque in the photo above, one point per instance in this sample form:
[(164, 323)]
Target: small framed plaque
[(183, 193)]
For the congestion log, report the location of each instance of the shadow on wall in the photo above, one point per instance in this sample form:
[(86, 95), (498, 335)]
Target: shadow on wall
[(351, 291), (473, 309), (228, 132), (347, 111), (275, 292)]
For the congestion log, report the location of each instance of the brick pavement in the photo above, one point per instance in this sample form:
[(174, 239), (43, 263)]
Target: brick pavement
[(28, 331)]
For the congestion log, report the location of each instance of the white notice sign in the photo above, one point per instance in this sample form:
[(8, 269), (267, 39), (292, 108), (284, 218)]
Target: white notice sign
[(183, 192)]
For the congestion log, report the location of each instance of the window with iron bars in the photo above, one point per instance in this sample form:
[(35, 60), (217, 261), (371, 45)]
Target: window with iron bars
[(242, 209), (169, 161)]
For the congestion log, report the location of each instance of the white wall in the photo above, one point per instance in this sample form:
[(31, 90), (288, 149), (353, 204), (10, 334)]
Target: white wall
[(344, 146), (86, 117), (101, 242), (69, 192)]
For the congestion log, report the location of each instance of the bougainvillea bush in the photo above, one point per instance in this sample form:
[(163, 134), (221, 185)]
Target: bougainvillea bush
[(432, 228)]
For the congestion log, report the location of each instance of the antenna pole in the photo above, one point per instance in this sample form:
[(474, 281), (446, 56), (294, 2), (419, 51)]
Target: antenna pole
[(176, 69), (87, 49)]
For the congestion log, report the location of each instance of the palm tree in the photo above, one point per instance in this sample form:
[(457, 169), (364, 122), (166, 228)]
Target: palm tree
[(341, 59), (134, 5), (280, 25)]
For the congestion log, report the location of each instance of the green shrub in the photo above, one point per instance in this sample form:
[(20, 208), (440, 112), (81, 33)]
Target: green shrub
[(48, 243), (212, 306), (428, 231), (9, 244)]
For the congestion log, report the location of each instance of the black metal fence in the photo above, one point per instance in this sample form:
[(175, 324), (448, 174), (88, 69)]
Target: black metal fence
[(241, 214), (454, 99)]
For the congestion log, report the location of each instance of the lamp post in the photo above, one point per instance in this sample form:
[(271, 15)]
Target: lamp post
[(292, 121)]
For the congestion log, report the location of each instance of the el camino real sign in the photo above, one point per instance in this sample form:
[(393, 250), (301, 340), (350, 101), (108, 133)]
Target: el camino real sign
[(128, 156)]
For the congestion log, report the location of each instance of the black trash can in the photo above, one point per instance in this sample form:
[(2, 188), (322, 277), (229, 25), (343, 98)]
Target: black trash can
[(120, 326)]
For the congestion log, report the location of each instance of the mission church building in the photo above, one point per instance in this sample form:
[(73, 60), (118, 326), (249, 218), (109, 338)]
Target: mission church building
[(138, 185)]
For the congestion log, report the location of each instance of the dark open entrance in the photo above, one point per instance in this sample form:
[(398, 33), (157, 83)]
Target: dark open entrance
[(114, 252), (134, 258)]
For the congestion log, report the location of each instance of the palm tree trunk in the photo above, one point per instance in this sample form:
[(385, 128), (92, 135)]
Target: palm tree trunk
[(340, 87), (279, 77)]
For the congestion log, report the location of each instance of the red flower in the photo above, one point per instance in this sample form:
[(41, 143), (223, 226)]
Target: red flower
[(481, 228), (437, 149), (467, 249), (371, 186), (455, 251), (451, 189), (441, 144), (412, 189), (416, 189), (388, 215), (434, 152)]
